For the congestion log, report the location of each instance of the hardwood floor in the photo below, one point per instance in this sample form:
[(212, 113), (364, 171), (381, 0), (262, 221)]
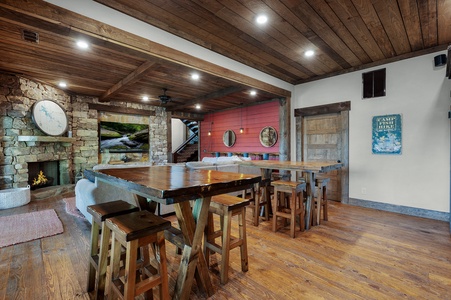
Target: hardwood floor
[(359, 253)]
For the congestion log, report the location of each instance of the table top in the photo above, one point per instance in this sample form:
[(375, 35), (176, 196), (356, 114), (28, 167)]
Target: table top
[(307, 166), (173, 184)]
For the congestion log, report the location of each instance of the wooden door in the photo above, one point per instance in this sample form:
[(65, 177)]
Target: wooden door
[(322, 141), (322, 134)]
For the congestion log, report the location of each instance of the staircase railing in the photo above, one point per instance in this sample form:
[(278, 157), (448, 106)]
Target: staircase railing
[(193, 138), (183, 145)]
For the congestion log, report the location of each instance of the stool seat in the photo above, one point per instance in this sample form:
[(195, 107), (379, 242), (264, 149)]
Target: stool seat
[(227, 201), (136, 225), (288, 184), (226, 206), (103, 211), (289, 211), (97, 264), (142, 231)]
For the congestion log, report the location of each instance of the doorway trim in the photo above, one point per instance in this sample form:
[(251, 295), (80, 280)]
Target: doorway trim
[(341, 108)]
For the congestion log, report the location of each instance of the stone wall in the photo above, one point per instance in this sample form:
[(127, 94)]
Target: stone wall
[(85, 130), (17, 96)]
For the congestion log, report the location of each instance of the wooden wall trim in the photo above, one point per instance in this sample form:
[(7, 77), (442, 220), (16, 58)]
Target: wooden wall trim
[(322, 109), (121, 110)]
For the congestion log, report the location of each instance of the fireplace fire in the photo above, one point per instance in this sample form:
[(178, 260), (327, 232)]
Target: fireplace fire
[(41, 181), (43, 174)]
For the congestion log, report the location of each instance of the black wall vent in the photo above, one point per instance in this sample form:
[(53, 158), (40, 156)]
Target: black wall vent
[(30, 36), (374, 84)]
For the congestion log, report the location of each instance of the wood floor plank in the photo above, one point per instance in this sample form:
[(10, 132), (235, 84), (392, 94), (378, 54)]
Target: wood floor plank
[(5, 266), (359, 253)]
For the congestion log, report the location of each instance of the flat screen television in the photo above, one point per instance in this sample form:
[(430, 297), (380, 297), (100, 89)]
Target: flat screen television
[(123, 137)]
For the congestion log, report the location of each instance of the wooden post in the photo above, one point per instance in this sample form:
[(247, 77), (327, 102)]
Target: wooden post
[(285, 132), (169, 136)]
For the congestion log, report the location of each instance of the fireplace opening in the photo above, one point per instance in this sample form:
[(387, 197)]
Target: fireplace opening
[(43, 174)]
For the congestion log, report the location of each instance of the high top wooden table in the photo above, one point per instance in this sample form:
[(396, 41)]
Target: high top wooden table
[(309, 168), (177, 185)]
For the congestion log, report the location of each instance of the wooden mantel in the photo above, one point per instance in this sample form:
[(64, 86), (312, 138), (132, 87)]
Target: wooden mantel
[(32, 140)]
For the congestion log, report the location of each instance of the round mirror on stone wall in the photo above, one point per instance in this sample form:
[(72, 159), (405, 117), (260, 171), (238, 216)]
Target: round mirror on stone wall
[(229, 138), (268, 136)]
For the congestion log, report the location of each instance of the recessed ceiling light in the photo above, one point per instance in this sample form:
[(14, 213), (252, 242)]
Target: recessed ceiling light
[(195, 76), (309, 53), (261, 19), (253, 93), (145, 98), (62, 84), (82, 44), (197, 106)]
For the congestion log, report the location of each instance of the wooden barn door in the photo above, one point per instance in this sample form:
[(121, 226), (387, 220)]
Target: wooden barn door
[(322, 134)]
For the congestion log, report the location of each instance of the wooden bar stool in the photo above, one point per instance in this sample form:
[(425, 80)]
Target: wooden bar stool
[(226, 206), (321, 198), (138, 231), (97, 262), (257, 202), (295, 191)]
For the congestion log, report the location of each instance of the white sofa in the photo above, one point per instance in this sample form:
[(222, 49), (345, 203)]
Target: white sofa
[(223, 163), (90, 191)]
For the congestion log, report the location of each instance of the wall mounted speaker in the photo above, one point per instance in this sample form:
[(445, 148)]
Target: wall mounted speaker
[(440, 60)]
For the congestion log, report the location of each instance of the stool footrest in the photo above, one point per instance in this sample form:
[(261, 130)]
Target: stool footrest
[(175, 236)]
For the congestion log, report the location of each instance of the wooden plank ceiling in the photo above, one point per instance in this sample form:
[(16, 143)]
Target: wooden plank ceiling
[(346, 35)]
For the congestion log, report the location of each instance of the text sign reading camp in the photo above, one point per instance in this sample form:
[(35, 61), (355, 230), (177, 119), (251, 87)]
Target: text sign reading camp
[(387, 134)]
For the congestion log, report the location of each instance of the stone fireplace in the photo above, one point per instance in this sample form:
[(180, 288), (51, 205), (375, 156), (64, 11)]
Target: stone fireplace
[(22, 144)]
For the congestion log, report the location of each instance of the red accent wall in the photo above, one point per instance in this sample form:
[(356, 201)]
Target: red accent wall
[(252, 119)]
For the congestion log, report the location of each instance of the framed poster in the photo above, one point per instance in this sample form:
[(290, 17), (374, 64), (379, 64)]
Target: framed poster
[(387, 134), (123, 137)]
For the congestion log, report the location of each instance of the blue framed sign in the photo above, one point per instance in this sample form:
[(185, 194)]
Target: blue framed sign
[(387, 134)]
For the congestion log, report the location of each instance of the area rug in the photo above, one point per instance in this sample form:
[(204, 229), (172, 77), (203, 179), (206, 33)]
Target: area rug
[(71, 208), (26, 227)]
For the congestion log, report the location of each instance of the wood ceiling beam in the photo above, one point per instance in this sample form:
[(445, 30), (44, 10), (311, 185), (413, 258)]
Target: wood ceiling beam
[(57, 15), (131, 78), (204, 98), (121, 110), (187, 116)]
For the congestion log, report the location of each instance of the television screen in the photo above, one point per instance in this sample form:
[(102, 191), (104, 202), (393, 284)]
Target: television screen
[(123, 137)]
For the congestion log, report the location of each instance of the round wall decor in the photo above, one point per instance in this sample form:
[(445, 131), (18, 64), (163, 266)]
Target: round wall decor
[(49, 117), (268, 136), (229, 138)]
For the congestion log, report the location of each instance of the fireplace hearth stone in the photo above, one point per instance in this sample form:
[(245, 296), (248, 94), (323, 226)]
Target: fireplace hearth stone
[(52, 191)]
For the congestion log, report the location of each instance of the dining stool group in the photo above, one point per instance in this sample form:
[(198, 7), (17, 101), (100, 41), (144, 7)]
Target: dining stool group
[(127, 247), (132, 243)]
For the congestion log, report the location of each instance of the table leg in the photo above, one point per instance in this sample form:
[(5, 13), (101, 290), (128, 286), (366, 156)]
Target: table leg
[(192, 224), (266, 195), (310, 180), (319, 200)]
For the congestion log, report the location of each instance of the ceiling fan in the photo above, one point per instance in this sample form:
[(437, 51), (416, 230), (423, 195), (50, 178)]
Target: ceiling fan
[(164, 98)]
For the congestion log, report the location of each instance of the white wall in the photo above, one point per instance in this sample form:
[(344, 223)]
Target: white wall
[(419, 177), (178, 133)]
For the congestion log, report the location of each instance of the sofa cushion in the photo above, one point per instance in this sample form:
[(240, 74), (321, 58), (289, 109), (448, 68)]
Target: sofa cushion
[(200, 165), (227, 167)]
